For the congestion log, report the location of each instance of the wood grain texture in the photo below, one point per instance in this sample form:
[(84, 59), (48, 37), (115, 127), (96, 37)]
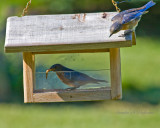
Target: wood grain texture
[(74, 95), (28, 76), (41, 33), (115, 69)]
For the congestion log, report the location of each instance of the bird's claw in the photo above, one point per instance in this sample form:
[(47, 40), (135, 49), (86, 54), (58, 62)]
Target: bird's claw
[(69, 89), (122, 35), (125, 34)]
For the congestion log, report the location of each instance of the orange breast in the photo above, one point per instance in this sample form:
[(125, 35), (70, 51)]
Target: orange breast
[(130, 25), (64, 80)]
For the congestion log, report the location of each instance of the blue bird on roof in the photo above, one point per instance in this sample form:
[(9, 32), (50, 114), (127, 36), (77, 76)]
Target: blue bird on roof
[(128, 20), (72, 78)]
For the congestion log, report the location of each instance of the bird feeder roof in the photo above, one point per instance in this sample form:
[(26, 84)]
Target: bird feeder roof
[(41, 33)]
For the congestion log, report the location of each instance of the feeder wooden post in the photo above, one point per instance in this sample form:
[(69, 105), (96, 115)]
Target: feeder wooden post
[(115, 69), (133, 38), (28, 75)]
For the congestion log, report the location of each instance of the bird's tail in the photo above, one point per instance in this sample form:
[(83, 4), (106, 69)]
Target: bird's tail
[(148, 5)]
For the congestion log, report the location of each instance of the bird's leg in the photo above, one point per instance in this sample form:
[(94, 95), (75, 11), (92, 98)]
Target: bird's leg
[(126, 32)]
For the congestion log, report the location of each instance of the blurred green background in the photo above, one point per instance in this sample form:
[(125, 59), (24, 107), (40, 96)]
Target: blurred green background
[(140, 106)]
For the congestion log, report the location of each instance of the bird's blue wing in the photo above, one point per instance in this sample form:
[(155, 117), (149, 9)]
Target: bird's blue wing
[(68, 75), (119, 16), (74, 76), (78, 76), (131, 16)]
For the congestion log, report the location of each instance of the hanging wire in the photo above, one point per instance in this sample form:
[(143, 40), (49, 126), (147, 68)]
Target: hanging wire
[(116, 5), (80, 70), (25, 10)]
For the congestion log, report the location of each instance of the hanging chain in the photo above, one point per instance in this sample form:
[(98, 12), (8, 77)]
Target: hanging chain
[(115, 4), (25, 10)]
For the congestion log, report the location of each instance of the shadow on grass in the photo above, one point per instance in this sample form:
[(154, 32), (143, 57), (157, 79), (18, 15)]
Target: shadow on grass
[(149, 95)]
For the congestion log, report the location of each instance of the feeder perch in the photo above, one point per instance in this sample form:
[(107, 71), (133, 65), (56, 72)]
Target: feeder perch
[(69, 33)]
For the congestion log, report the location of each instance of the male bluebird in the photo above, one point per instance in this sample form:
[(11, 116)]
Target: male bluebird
[(71, 77), (128, 20)]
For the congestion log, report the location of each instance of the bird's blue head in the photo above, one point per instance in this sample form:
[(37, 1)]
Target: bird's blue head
[(116, 27), (55, 68)]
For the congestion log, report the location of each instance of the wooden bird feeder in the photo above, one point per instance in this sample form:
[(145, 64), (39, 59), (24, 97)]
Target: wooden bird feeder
[(69, 33)]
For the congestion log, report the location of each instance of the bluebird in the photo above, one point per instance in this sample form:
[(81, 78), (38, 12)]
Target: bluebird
[(72, 78), (128, 20)]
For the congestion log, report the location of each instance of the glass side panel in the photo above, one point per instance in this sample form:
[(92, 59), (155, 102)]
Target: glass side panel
[(72, 71)]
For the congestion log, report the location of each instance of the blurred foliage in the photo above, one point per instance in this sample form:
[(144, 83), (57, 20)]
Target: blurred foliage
[(140, 64)]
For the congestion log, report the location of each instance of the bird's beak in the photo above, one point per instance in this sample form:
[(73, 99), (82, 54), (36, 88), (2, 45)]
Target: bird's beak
[(48, 71), (110, 35)]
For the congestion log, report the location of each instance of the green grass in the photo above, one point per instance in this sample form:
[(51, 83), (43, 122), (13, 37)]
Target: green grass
[(101, 115), (141, 63)]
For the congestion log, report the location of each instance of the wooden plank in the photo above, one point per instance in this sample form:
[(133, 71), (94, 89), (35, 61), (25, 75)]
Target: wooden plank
[(115, 69), (74, 51), (69, 47), (28, 76), (74, 95), (42, 33)]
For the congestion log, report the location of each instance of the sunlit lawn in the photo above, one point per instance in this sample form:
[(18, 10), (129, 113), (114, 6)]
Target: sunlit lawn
[(101, 115)]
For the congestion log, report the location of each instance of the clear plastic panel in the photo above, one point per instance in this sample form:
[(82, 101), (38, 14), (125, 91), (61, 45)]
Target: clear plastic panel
[(93, 66)]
